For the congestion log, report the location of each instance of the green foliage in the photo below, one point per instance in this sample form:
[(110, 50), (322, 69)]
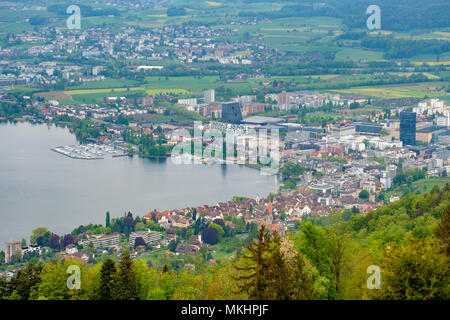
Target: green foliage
[(442, 231), (292, 170), (53, 282), (408, 176), (335, 159), (313, 244), (125, 280), (84, 130), (364, 194), (36, 233), (220, 232), (328, 260), (269, 258), (20, 286), (416, 271), (107, 274), (107, 219)]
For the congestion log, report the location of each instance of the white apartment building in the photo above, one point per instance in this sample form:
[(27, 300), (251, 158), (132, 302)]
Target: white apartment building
[(210, 96), (150, 237)]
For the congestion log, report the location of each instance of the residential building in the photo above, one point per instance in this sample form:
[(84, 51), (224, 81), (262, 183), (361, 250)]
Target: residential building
[(210, 96), (150, 237), (103, 241)]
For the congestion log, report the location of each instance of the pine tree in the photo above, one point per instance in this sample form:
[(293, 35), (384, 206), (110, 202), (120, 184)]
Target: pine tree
[(108, 221), (289, 279), (252, 278), (271, 268), (22, 283), (107, 273), (125, 280)]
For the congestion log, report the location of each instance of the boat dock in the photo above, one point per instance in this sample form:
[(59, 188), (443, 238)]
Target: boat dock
[(89, 151)]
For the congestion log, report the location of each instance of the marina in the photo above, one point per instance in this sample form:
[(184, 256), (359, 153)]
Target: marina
[(89, 151)]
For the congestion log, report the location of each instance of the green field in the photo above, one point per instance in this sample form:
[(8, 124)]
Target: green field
[(358, 55), (420, 186), (418, 90)]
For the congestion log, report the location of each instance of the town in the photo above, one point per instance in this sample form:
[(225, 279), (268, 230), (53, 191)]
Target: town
[(351, 120), (353, 166)]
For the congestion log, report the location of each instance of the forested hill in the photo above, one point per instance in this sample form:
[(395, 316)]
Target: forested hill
[(327, 258), (412, 216), (400, 15)]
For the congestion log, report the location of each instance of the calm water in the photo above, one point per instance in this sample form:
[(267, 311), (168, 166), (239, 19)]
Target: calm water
[(39, 187)]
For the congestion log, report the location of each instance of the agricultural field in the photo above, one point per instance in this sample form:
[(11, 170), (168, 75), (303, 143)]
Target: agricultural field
[(413, 90), (106, 84), (358, 55), (185, 86)]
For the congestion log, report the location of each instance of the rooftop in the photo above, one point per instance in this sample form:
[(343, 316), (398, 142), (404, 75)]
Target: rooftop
[(262, 120)]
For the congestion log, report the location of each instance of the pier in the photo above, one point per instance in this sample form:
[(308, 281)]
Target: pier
[(89, 151)]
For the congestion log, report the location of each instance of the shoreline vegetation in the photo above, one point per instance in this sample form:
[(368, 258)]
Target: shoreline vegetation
[(325, 258)]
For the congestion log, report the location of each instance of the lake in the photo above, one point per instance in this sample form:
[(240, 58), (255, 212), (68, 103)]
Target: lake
[(39, 187)]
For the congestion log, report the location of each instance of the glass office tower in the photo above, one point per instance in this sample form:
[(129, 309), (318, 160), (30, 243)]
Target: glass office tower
[(408, 128), (231, 112)]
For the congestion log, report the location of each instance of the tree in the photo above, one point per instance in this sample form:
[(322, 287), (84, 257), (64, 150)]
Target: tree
[(68, 239), (21, 284), (54, 242), (125, 280), (139, 241), (128, 225), (36, 233), (338, 244), (173, 245), (219, 228), (108, 220), (416, 271), (107, 273), (252, 278), (3, 287), (364, 194), (442, 231), (210, 235), (140, 226), (313, 244), (271, 268), (53, 283)]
